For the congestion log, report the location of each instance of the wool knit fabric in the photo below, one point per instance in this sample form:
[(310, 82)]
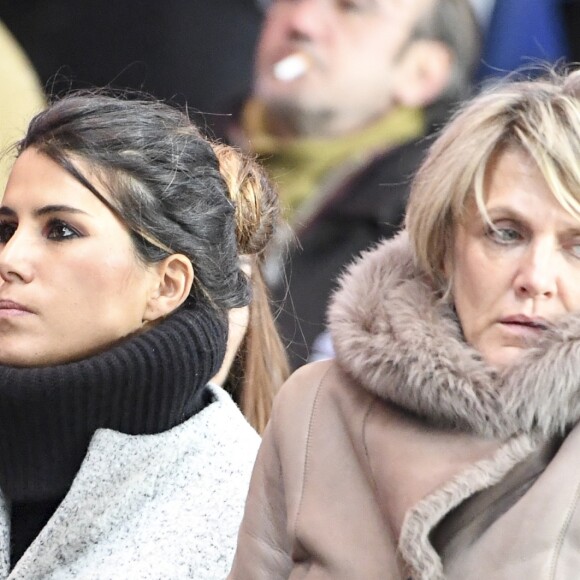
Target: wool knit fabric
[(145, 384), (150, 507)]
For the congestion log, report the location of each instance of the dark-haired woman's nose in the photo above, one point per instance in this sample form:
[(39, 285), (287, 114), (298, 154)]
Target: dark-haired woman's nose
[(15, 259)]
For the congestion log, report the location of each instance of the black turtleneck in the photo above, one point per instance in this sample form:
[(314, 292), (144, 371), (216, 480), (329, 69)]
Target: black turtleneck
[(145, 384)]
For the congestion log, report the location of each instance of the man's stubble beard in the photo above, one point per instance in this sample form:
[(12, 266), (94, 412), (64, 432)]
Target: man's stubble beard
[(287, 118)]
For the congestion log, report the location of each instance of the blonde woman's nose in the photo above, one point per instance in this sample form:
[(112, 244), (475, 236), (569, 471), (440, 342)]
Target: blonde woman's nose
[(537, 271)]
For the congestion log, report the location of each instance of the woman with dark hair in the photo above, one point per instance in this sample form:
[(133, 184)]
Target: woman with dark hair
[(119, 262), (443, 440)]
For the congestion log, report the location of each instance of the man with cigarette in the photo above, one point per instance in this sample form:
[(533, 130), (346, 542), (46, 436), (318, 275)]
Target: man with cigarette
[(344, 93)]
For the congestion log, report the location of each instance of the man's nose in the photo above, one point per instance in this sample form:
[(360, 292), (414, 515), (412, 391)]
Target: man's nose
[(309, 19)]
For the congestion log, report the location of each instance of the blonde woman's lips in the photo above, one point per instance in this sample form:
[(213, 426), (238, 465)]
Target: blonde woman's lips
[(535, 322), (291, 67)]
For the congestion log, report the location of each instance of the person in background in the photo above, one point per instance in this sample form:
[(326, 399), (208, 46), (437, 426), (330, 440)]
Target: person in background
[(443, 439), (119, 263), (255, 364), (523, 34), (21, 96), (343, 95), (190, 52)]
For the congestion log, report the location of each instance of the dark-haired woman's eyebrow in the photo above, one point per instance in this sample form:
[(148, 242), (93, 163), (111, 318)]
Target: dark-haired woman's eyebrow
[(6, 211), (47, 209)]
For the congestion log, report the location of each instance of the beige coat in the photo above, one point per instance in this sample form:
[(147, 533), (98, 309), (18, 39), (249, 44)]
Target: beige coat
[(409, 457)]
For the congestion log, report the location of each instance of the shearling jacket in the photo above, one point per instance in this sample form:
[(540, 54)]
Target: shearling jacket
[(162, 506), (408, 457)]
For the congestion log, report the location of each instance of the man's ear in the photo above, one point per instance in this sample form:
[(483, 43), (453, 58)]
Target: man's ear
[(171, 284), (422, 74)]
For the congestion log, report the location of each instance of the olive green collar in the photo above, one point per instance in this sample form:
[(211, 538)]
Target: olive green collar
[(300, 166)]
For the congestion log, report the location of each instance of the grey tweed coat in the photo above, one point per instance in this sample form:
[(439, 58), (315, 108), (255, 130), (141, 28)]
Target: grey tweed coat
[(148, 507)]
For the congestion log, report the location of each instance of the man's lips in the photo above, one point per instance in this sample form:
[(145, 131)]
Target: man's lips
[(292, 66)]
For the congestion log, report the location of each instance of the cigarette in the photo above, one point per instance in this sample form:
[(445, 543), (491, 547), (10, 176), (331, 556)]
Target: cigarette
[(291, 67)]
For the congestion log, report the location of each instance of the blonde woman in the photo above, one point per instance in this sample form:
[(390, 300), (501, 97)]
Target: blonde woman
[(443, 440)]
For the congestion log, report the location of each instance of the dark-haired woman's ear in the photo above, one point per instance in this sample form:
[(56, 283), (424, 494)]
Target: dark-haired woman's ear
[(172, 283)]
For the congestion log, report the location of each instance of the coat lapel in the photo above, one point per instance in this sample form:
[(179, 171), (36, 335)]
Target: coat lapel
[(4, 537), (117, 476)]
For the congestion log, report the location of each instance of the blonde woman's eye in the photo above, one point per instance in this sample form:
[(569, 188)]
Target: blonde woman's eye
[(503, 234), (574, 248)]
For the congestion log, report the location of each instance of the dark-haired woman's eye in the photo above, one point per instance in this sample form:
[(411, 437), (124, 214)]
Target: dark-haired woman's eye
[(7, 230), (59, 231)]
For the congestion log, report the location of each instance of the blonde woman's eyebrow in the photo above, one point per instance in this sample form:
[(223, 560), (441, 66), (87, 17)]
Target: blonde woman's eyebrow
[(506, 212), (501, 212)]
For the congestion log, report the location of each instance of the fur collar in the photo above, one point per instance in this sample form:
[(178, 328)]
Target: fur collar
[(392, 335)]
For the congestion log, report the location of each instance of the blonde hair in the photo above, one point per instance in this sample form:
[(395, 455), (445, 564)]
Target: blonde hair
[(261, 364), (540, 117)]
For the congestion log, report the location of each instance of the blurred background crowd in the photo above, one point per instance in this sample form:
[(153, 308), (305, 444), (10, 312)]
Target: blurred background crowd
[(202, 54)]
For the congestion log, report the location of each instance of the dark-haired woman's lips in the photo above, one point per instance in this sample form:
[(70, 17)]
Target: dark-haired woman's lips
[(10, 308)]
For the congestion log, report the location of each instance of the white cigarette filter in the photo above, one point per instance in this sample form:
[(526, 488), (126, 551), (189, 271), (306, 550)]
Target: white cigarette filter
[(291, 67)]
